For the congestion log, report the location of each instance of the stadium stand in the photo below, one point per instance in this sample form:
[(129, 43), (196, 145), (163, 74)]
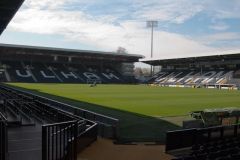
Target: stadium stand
[(221, 71), (212, 143), (34, 127), (40, 73), (194, 77), (17, 72), (54, 65), (37, 72)]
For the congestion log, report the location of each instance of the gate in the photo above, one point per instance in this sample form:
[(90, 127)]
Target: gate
[(59, 141)]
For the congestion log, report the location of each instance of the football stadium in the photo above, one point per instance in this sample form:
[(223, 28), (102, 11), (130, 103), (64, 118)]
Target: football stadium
[(71, 104)]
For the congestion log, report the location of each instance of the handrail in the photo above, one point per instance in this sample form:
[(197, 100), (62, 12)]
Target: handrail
[(33, 94), (63, 111), (2, 117), (54, 124), (73, 112), (87, 129), (178, 139)]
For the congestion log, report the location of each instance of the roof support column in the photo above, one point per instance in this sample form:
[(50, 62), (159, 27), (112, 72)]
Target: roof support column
[(69, 59), (55, 58)]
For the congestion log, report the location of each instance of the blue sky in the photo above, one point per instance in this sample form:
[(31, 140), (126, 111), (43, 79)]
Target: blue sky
[(186, 27)]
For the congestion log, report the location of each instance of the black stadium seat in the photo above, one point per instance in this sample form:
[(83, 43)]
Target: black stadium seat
[(224, 148), (192, 77), (62, 73)]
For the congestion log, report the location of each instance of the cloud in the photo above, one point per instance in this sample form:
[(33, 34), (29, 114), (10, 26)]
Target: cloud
[(219, 27), (222, 9), (117, 26), (174, 11), (172, 45), (214, 38), (46, 4), (77, 26), (180, 11)]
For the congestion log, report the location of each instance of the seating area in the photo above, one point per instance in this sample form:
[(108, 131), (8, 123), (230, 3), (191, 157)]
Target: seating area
[(41, 73), (225, 149), (213, 143), (21, 110), (59, 73), (17, 72), (194, 77), (28, 126), (36, 127)]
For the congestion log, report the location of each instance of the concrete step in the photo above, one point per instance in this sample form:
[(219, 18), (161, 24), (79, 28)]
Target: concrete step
[(24, 129), (24, 135), (25, 144), (33, 154)]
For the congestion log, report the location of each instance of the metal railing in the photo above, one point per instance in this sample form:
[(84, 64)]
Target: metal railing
[(108, 126), (62, 141), (186, 138), (59, 141), (3, 138), (86, 137)]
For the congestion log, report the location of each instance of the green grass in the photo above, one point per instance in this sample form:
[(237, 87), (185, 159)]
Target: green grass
[(137, 106), (141, 99)]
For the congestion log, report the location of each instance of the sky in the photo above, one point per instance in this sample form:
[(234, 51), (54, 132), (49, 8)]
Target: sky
[(186, 28)]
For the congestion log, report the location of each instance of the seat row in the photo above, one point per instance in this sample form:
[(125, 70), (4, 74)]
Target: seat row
[(223, 149)]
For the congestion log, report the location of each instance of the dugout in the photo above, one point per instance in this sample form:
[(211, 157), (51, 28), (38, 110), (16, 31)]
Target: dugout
[(216, 117)]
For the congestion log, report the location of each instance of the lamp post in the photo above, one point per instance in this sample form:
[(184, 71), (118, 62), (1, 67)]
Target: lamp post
[(152, 25)]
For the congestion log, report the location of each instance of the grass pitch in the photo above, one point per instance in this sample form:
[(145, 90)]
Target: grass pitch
[(142, 99), (137, 106)]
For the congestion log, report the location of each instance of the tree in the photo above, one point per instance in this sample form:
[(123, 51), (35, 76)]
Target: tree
[(122, 50), (138, 72)]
